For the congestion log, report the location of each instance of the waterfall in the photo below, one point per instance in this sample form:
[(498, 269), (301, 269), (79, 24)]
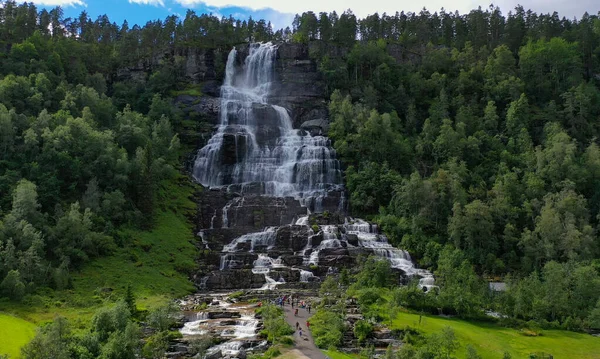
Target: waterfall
[(255, 150), (258, 240), (203, 239), (302, 221), (255, 142), (306, 276), (226, 215), (212, 220), (368, 237)]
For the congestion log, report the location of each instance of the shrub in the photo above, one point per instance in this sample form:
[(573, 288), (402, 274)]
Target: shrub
[(327, 328), (362, 330)]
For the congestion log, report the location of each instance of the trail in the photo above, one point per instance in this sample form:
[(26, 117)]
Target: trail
[(306, 347)]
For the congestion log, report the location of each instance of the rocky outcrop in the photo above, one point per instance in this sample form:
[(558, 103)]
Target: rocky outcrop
[(318, 127), (301, 86)]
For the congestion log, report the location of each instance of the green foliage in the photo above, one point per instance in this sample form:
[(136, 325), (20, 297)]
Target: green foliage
[(163, 317), (130, 300), (50, 342), (327, 328), (199, 345), (362, 330), (374, 273), (156, 346), (274, 321), (112, 336)]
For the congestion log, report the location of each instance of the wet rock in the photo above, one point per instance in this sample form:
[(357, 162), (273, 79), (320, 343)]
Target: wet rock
[(352, 239), (292, 237), (318, 127), (223, 315), (214, 355)]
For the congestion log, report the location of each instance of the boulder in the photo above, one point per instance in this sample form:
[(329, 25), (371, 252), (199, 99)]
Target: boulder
[(317, 127)]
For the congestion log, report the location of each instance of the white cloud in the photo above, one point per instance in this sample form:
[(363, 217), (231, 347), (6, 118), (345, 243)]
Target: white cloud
[(148, 2), (361, 8), (63, 3)]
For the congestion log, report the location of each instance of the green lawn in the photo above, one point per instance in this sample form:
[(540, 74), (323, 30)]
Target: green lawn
[(491, 341), (337, 355), (14, 333)]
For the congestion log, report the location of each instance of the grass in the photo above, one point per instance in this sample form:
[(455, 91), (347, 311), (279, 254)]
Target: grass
[(14, 333), (332, 354), (156, 263), (491, 341)]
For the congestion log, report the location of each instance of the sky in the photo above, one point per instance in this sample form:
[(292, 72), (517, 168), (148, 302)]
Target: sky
[(281, 12)]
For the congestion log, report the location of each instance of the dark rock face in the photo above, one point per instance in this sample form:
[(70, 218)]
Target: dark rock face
[(301, 88)]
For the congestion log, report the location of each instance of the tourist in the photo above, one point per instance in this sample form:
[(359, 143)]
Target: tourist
[(297, 325), (308, 308), (296, 312), (300, 332), (307, 325)]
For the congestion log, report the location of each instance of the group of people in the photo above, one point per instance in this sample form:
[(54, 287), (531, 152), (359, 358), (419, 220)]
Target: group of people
[(295, 303), (299, 328)]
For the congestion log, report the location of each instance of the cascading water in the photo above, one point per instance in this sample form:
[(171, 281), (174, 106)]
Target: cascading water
[(256, 151), (399, 258), (258, 240), (255, 143)]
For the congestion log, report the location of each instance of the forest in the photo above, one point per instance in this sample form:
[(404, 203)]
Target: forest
[(476, 150)]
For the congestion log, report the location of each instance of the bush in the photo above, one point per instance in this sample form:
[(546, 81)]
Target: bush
[(164, 317), (286, 340), (532, 329), (236, 295), (156, 346), (362, 330), (327, 328)]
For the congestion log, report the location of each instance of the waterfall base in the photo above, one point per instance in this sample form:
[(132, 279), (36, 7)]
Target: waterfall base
[(263, 243)]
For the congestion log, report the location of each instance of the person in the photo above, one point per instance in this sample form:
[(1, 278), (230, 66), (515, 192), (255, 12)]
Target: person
[(300, 332), (307, 325), (308, 308), (296, 312), (292, 304), (297, 325)]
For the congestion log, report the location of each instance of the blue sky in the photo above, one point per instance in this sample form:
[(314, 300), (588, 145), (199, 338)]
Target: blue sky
[(281, 12)]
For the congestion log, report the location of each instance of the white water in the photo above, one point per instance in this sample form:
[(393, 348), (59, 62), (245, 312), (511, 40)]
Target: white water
[(212, 220), (286, 162), (226, 215), (263, 265), (398, 258), (305, 276), (203, 239), (264, 239), (302, 221)]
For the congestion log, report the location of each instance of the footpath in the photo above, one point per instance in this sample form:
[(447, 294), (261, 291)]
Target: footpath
[(305, 344)]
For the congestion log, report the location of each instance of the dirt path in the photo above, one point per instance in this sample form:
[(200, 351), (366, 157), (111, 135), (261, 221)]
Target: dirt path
[(307, 347)]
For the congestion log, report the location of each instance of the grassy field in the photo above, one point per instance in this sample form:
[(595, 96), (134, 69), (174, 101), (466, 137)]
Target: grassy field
[(492, 341), (156, 263), (337, 355), (14, 333)]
